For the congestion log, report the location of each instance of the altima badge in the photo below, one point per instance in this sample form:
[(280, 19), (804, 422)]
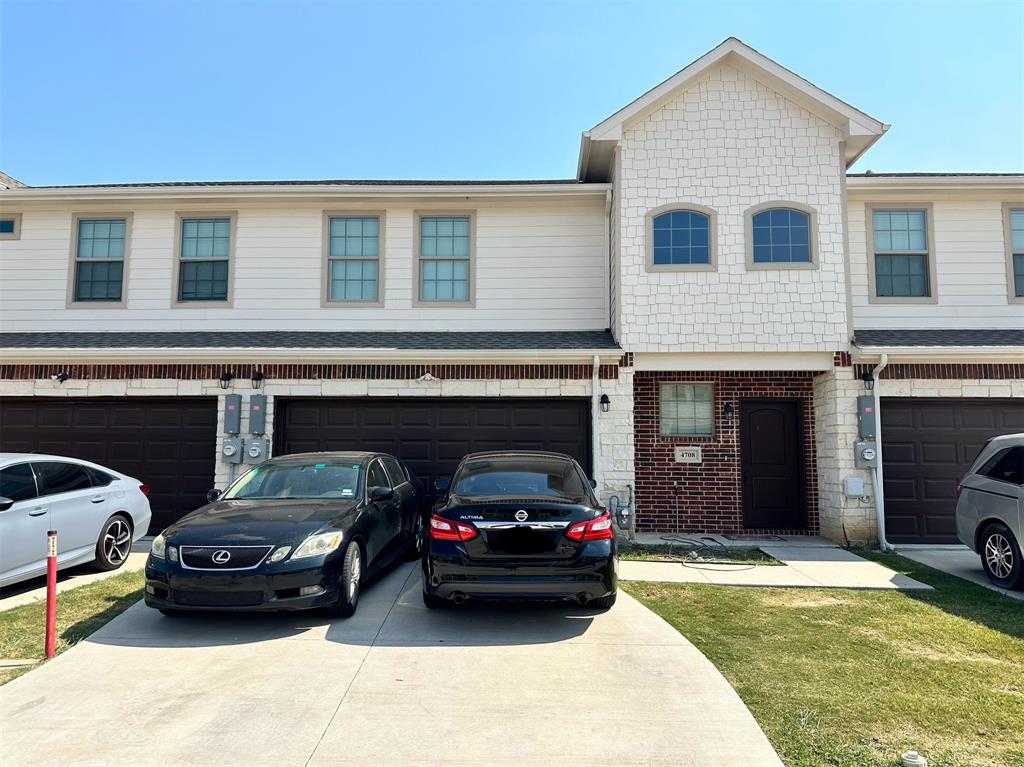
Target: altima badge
[(221, 556), (521, 515)]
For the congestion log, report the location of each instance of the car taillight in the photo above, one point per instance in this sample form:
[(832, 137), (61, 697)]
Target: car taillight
[(144, 489), (597, 529), (442, 529)]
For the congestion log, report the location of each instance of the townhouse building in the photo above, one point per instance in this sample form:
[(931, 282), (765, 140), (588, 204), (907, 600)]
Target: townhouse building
[(694, 317)]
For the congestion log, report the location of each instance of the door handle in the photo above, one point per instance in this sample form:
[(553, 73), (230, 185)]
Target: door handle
[(98, 499), (38, 511)]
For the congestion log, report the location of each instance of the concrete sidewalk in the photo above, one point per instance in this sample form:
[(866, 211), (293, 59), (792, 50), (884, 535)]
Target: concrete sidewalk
[(397, 684), (803, 566), (955, 560)]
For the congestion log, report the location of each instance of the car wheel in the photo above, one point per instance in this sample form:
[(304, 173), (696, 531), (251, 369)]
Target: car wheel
[(1000, 556), (416, 544), (350, 582), (603, 603), (114, 544), (434, 602)]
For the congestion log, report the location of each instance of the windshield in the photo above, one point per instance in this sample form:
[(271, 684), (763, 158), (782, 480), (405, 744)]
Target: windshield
[(308, 480), (518, 477)]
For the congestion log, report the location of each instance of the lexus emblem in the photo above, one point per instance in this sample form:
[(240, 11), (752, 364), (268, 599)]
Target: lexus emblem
[(221, 556), (521, 515)]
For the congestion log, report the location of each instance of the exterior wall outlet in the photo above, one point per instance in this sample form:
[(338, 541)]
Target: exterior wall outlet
[(231, 451), (865, 455), (853, 486), (256, 450)]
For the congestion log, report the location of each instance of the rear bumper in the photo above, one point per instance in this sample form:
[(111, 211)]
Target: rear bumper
[(169, 587), (593, 574)]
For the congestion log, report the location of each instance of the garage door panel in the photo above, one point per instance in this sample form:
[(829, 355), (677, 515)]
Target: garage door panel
[(928, 446), (432, 435), (166, 443)]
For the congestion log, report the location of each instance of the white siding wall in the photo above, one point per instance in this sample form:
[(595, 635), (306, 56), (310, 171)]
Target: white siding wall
[(540, 266), (730, 143), (969, 258)]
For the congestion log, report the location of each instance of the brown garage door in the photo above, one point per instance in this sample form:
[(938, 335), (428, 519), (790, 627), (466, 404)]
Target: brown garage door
[(928, 445), (432, 435), (166, 443)]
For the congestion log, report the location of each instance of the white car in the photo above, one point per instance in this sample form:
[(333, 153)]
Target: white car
[(97, 512)]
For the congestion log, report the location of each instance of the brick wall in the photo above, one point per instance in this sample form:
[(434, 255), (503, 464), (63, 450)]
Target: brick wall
[(707, 497)]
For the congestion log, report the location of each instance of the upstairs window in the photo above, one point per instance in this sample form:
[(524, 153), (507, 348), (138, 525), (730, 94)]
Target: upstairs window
[(445, 255), (1016, 252), (10, 226), (353, 259), (780, 236), (205, 256), (99, 259), (680, 238), (901, 255)]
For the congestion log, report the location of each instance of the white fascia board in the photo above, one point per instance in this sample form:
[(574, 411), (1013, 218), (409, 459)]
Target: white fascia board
[(856, 184), (944, 354), (738, 361), (14, 356), (304, 192)]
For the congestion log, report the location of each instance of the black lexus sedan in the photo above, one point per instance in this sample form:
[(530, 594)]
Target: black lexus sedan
[(520, 525), (298, 532)]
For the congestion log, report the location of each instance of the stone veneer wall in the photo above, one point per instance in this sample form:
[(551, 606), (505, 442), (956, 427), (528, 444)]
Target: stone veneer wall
[(707, 497)]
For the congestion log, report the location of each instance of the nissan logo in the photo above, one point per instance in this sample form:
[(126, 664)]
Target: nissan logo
[(521, 515), (221, 556)]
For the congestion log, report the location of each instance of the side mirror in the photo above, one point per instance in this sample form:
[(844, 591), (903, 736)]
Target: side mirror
[(213, 495), (442, 485), (593, 484), (5, 503), (381, 493)]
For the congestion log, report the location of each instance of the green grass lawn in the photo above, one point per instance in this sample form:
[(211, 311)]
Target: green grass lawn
[(80, 611), (853, 678), (667, 552)]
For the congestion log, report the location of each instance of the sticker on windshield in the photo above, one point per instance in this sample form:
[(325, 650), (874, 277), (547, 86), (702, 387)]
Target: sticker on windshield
[(319, 465), (347, 492)]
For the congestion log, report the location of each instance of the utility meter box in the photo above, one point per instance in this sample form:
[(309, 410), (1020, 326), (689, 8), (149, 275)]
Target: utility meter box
[(865, 455), (256, 450), (231, 451), (233, 414), (867, 418), (853, 486), (258, 414)]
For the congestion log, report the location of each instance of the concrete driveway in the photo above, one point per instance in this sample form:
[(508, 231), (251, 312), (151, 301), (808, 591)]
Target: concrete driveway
[(394, 685)]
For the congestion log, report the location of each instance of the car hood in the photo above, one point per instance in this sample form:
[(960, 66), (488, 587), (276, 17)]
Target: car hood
[(254, 522)]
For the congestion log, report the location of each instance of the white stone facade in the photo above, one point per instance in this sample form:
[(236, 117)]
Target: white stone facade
[(729, 143)]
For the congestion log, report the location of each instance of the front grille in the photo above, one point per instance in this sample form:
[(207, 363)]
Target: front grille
[(218, 598), (212, 557)]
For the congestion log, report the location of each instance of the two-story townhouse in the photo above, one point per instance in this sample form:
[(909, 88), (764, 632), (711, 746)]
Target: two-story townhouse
[(690, 317)]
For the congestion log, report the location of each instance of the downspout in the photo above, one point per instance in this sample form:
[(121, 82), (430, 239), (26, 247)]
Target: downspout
[(595, 410), (876, 473)]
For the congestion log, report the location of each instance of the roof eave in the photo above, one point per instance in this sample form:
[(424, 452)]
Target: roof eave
[(940, 353)]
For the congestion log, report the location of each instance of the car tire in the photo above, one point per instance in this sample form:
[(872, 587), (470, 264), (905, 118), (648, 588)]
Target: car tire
[(434, 602), (114, 544), (415, 549), (603, 603), (1000, 556), (350, 582)]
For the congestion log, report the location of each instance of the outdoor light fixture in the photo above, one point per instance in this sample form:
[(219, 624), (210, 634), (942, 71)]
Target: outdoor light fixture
[(257, 379), (226, 378), (606, 403), (728, 410), (869, 381), (62, 376)]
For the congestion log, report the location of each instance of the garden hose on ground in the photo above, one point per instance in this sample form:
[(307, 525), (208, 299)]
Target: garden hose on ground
[(700, 551)]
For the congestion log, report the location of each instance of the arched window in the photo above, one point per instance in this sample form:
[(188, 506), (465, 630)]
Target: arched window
[(782, 236), (681, 238)]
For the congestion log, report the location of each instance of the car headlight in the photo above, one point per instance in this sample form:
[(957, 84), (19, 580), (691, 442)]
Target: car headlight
[(317, 545), (158, 547)]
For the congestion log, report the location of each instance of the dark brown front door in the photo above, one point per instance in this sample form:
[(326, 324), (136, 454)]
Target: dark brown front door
[(770, 458), (168, 444), (431, 435)]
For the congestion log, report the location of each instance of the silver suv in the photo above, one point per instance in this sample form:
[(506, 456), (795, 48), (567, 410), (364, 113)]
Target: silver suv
[(990, 509)]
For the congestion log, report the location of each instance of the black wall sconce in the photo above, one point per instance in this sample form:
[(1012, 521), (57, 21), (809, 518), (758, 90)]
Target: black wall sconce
[(869, 381), (226, 378), (728, 411), (257, 379), (606, 404)]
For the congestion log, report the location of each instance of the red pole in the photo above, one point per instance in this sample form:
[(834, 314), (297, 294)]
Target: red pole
[(51, 594)]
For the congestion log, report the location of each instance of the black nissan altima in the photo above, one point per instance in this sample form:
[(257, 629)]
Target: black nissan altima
[(300, 531), (520, 525)]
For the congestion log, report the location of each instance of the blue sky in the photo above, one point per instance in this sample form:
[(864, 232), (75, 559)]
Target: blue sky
[(151, 90)]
